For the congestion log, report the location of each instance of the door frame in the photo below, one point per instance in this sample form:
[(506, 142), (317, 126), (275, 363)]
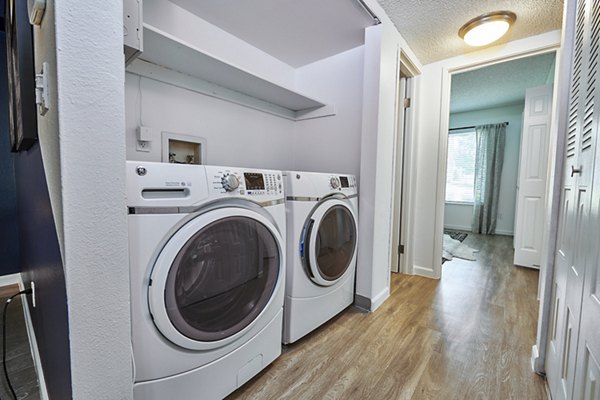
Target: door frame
[(559, 122), (402, 179), (447, 73)]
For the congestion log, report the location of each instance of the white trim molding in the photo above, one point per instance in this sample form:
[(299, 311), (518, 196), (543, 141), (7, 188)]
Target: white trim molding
[(12, 279), (379, 299), (544, 43), (426, 272), (35, 353)]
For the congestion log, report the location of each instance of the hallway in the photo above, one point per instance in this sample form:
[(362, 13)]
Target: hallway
[(467, 336)]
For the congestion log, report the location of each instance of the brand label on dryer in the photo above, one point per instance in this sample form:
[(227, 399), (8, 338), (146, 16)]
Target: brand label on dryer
[(177, 183)]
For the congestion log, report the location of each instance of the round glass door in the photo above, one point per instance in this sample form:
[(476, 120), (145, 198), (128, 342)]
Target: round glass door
[(331, 243), (218, 281)]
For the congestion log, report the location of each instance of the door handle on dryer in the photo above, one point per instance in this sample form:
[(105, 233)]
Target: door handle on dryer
[(575, 170)]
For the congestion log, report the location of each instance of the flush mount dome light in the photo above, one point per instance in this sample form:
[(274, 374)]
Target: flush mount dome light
[(487, 28)]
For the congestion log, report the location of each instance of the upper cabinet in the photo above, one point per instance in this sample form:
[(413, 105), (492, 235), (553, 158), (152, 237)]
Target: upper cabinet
[(245, 52)]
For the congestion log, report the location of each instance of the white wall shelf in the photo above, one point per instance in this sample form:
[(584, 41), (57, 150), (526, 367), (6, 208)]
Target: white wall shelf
[(174, 61)]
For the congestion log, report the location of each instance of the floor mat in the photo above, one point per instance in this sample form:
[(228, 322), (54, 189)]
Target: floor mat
[(453, 247)]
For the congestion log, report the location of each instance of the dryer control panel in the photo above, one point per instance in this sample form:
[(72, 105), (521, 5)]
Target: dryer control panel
[(245, 182), (341, 182)]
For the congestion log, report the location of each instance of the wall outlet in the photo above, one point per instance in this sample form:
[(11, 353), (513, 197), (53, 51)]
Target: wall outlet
[(33, 293), (143, 146)]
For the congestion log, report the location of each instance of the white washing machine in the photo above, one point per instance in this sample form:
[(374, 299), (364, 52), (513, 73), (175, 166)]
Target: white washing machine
[(322, 221), (207, 261)]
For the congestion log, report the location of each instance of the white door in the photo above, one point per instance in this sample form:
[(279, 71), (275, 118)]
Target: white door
[(573, 349), (587, 366), (531, 194)]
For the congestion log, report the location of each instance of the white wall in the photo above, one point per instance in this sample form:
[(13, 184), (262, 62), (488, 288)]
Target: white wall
[(381, 75), (82, 42), (235, 135), (331, 144), (241, 136), (431, 151), (45, 51), (458, 216)]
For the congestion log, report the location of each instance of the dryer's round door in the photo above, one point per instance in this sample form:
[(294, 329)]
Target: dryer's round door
[(329, 241), (214, 277)]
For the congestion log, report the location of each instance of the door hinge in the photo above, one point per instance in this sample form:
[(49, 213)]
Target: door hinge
[(41, 90), (407, 102), (400, 249)]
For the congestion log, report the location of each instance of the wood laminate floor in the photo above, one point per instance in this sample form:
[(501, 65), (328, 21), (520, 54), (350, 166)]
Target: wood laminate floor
[(18, 356), (467, 336)]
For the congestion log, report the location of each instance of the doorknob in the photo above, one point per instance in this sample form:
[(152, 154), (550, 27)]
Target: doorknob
[(575, 171)]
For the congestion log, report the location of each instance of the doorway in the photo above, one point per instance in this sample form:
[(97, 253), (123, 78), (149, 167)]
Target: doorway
[(492, 149), (403, 142)]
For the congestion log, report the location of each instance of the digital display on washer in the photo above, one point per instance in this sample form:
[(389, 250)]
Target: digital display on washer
[(344, 181), (254, 181)]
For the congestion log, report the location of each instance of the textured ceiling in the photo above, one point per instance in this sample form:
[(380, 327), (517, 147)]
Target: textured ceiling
[(499, 84), (431, 26)]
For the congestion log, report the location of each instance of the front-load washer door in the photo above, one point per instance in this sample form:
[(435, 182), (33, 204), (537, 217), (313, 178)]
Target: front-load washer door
[(214, 277), (329, 241)]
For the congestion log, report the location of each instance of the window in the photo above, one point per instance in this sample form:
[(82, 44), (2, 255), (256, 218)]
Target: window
[(460, 176)]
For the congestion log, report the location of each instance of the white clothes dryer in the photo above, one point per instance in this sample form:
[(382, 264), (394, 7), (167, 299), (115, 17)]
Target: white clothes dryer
[(322, 239), (207, 269)]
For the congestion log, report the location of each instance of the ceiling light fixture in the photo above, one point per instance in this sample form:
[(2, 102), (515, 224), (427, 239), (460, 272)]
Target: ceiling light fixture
[(487, 28)]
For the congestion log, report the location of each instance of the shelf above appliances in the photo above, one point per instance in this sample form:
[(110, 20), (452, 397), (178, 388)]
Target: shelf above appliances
[(172, 60)]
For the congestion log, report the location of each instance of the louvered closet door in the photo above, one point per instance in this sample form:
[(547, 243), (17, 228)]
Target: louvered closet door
[(587, 372), (576, 245), (561, 323)]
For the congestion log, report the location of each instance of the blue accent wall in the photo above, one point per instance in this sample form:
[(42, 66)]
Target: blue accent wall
[(9, 243), (41, 262), (33, 248)]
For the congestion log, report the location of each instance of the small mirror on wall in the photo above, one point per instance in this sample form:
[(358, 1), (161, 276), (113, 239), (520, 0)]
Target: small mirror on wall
[(183, 149)]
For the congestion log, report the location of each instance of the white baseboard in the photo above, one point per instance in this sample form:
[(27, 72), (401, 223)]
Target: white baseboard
[(458, 228), (504, 232), (379, 299), (35, 353), (12, 279), (422, 271)]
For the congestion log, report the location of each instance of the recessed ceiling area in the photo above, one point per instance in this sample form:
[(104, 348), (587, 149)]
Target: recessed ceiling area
[(295, 32), (431, 27), (500, 84)]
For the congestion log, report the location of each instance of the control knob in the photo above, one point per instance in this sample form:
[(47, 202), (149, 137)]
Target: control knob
[(335, 182), (230, 182)]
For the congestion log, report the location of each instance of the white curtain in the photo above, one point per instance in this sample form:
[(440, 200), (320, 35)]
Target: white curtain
[(489, 157)]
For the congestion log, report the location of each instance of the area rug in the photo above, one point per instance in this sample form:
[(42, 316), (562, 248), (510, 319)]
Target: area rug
[(453, 247), (456, 235)]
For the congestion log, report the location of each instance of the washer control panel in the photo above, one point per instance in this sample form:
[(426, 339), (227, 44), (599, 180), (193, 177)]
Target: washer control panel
[(245, 182)]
